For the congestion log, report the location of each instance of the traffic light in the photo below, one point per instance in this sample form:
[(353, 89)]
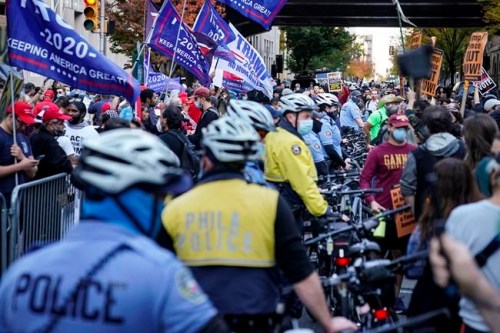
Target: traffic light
[(91, 13), (391, 50)]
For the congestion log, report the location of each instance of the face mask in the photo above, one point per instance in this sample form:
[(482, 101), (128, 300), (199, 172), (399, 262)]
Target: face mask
[(198, 104), (399, 135), (58, 133), (305, 126)]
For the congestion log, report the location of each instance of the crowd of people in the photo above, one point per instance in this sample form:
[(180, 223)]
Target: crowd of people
[(254, 162)]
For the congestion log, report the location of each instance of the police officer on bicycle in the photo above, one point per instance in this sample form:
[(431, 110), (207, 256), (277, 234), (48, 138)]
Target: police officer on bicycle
[(234, 235), (288, 162), (107, 275)]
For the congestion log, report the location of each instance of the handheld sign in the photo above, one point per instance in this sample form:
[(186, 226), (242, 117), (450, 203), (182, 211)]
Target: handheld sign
[(473, 58), (416, 40), (430, 85)]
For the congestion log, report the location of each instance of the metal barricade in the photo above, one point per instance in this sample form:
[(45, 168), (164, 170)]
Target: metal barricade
[(4, 226), (42, 212)]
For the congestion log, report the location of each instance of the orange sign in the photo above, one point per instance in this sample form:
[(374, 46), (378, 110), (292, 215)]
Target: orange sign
[(473, 58), (416, 40), (430, 85), (405, 222)]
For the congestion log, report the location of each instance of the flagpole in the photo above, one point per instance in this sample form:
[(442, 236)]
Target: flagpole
[(14, 131), (177, 40)]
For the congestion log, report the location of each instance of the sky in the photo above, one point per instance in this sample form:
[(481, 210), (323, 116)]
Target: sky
[(381, 42)]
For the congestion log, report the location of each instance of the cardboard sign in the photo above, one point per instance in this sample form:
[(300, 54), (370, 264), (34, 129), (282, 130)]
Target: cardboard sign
[(430, 85), (473, 58), (416, 40), (405, 222), (486, 84)]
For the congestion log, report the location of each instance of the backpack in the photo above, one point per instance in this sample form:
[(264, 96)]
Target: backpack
[(189, 158), (381, 133)]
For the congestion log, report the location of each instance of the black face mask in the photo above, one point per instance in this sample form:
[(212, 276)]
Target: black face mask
[(317, 126)]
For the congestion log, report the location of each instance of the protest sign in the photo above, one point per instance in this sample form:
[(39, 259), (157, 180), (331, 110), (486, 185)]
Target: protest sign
[(416, 40), (430, 85), (42, 42), (335, 82), (405, 222), (486, 84), (473, 58)]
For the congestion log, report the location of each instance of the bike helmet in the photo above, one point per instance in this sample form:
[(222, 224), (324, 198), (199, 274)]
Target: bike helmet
[(327, 99), (254, 113), (126, 158), (231, 139), (297, 103)]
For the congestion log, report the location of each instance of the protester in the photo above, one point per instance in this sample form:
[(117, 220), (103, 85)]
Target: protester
[(171, 123), (476, 225), (16, 156), (202, 101), (421, 161), (149, 100), (452, 186), (79, 130), (479, 132), (44, 143)]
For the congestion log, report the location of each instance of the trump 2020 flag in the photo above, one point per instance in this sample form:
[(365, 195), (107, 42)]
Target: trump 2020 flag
[(261, 11), (40, 41), (210, 23), (248, 66), (183, 50)]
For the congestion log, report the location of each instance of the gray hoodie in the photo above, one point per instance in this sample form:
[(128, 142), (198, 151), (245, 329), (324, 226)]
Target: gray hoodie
[(440, 144)]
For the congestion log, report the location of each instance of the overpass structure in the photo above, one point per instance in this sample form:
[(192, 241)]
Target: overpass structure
[(369, 13)]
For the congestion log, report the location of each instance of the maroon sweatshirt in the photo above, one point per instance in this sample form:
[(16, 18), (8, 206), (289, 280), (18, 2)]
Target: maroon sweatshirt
[(386, 163)]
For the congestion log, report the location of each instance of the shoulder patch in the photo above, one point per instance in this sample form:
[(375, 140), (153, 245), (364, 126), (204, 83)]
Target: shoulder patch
[(328, 133), (316, 147), (296, 150), (188, 287)]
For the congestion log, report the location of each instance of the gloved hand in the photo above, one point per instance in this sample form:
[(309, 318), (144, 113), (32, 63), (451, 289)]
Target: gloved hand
[(330, 214)]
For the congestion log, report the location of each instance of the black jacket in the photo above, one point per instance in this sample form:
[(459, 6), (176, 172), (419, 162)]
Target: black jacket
[(55, 160), (173, 142), (207, 117)]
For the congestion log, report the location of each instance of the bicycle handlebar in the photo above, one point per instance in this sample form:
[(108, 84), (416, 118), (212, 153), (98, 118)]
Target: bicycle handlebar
[(354, 192)]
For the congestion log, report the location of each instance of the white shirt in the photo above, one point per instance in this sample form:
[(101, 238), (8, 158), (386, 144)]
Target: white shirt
[(77, 134), (66, 145)]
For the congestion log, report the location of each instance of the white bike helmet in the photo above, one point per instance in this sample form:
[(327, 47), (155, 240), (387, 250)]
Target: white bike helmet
[(327, 99), (254, 113), (297, 103), (124, 158), (231, 139)]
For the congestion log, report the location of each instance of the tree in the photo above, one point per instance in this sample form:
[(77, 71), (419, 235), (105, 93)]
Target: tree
[(454, 43), (360, 68), (491, 9), (307, 44), (129, 17)]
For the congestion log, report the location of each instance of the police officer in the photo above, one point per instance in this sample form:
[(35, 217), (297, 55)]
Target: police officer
[(314, 144), (328, 131), (262, 121), (234, 235), (288, 162), (108, 275)]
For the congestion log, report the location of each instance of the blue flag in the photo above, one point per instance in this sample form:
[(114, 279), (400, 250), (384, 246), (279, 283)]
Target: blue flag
[(40, 41), (183, 50), (160, 83), (261, 11), (210, 23)]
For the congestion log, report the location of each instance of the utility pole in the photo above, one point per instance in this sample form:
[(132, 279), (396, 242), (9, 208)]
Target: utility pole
[(102, 28)]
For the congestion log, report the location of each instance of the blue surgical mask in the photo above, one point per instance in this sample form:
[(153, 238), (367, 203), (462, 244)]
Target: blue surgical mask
[(305, 126), (399, 135)]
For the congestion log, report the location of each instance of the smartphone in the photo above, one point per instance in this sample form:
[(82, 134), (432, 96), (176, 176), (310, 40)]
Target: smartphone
[(39, 157)]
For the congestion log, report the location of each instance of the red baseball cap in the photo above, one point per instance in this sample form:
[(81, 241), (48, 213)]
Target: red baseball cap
[(48, 95), (202, 92), (23, 112), (53, 112), (399, 120), (106, 107)]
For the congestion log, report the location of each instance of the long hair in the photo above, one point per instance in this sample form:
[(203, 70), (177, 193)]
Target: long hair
[(452, 185), (479, 133)]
